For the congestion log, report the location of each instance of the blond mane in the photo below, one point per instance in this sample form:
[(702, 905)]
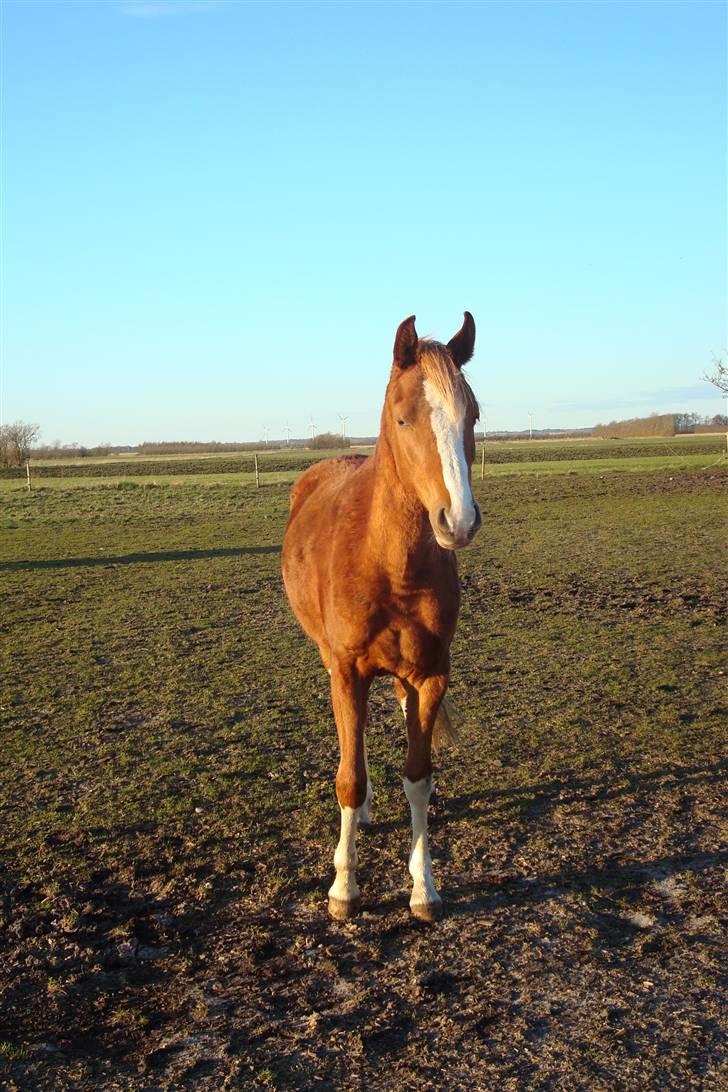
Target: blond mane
[(450, 383)]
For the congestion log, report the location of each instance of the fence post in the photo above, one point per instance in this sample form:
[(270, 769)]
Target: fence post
[(482, 463), (27, 474), (257, 475)]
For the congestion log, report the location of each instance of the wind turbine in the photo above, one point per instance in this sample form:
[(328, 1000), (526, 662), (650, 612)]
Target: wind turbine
[(343, 426), (288, 434)]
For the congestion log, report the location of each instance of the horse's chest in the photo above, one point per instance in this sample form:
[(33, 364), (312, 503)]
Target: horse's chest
[(415, 637)]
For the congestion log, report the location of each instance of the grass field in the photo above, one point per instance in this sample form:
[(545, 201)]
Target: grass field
[(503, 456), (283, 466), (169, 819)]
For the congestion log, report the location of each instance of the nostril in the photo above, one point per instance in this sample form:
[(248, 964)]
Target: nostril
[(477, 522), (442, 522)]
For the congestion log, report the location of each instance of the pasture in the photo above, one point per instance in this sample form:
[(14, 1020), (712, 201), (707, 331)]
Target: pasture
[(168, 816)]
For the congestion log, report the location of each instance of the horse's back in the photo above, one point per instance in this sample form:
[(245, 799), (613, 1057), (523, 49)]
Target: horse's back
[(321, 479)]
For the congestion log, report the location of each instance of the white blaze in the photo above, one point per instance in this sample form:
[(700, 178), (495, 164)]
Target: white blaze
[(448, 425)]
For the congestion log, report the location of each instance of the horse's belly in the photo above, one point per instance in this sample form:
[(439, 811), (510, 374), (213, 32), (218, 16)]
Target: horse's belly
[(301, 584), (308, 561)]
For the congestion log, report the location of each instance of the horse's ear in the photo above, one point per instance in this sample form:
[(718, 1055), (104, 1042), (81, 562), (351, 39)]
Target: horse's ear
[(405, 344), (461, 346)]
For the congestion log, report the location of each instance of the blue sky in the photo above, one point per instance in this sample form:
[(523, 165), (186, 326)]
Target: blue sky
[(216, 214)]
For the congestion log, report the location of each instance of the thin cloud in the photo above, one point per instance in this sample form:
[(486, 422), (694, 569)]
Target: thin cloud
[(659, 396), (156, 9)]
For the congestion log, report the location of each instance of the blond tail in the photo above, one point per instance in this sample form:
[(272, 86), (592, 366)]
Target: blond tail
[(445, 730)]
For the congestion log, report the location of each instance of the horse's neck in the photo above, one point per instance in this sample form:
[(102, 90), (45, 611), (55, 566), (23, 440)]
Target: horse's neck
[(400, 529)]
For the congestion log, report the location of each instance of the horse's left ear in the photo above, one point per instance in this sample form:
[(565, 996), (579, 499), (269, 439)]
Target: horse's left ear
[(461, 346)]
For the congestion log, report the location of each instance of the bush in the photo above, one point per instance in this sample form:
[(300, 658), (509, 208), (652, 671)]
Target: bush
[(327, 440)]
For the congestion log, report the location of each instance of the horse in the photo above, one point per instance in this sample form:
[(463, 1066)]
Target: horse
[(370, 572)]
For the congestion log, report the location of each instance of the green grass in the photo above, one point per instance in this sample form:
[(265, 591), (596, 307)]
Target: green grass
[(145, 628), (140, 481), (169, 753)]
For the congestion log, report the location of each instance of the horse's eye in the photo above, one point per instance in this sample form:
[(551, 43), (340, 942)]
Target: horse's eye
[(401, 421)]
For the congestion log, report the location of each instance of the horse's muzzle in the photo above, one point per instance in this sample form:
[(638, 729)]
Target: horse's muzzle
[(453, 536)]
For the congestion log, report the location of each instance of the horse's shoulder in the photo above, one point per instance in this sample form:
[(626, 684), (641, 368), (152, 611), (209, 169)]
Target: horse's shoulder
[(329, 472)]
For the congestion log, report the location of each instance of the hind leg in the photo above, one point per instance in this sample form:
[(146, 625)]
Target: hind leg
[(365, 811), (400, 691)]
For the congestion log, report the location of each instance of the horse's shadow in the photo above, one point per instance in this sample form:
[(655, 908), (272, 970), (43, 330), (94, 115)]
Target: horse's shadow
[(535, 800), (491, 890), (570, 790), (136, 558), (615, 880)]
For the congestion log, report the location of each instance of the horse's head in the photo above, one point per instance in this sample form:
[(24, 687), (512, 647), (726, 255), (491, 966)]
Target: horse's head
[(429, 418)]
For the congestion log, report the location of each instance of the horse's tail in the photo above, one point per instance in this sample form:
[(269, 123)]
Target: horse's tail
[(445, 730)]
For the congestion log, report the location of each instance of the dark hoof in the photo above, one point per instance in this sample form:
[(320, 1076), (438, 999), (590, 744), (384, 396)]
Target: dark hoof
[(366, 826), (343, 909), (427, 911)]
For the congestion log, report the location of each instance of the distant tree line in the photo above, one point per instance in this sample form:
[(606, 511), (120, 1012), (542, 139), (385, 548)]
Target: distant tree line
[(497, 436), (16, 441), (181, 447), (719, 421), (693, 422), (660, 424), (57, 450)]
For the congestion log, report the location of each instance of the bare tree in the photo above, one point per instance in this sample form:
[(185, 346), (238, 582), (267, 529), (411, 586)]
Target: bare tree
[(719, 376), (16, 441), (719, 379)]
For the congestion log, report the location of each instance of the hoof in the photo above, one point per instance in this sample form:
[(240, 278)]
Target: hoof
[(343, 909), (365, 825), (427, 911)]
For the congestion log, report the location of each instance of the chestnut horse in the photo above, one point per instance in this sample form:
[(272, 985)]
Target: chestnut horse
[(370, 572)]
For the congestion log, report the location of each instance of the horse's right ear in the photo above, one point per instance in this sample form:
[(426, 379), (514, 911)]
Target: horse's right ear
[(405, 344)]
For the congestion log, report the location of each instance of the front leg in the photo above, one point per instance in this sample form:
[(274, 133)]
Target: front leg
[(422, 704), (349, 699)]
